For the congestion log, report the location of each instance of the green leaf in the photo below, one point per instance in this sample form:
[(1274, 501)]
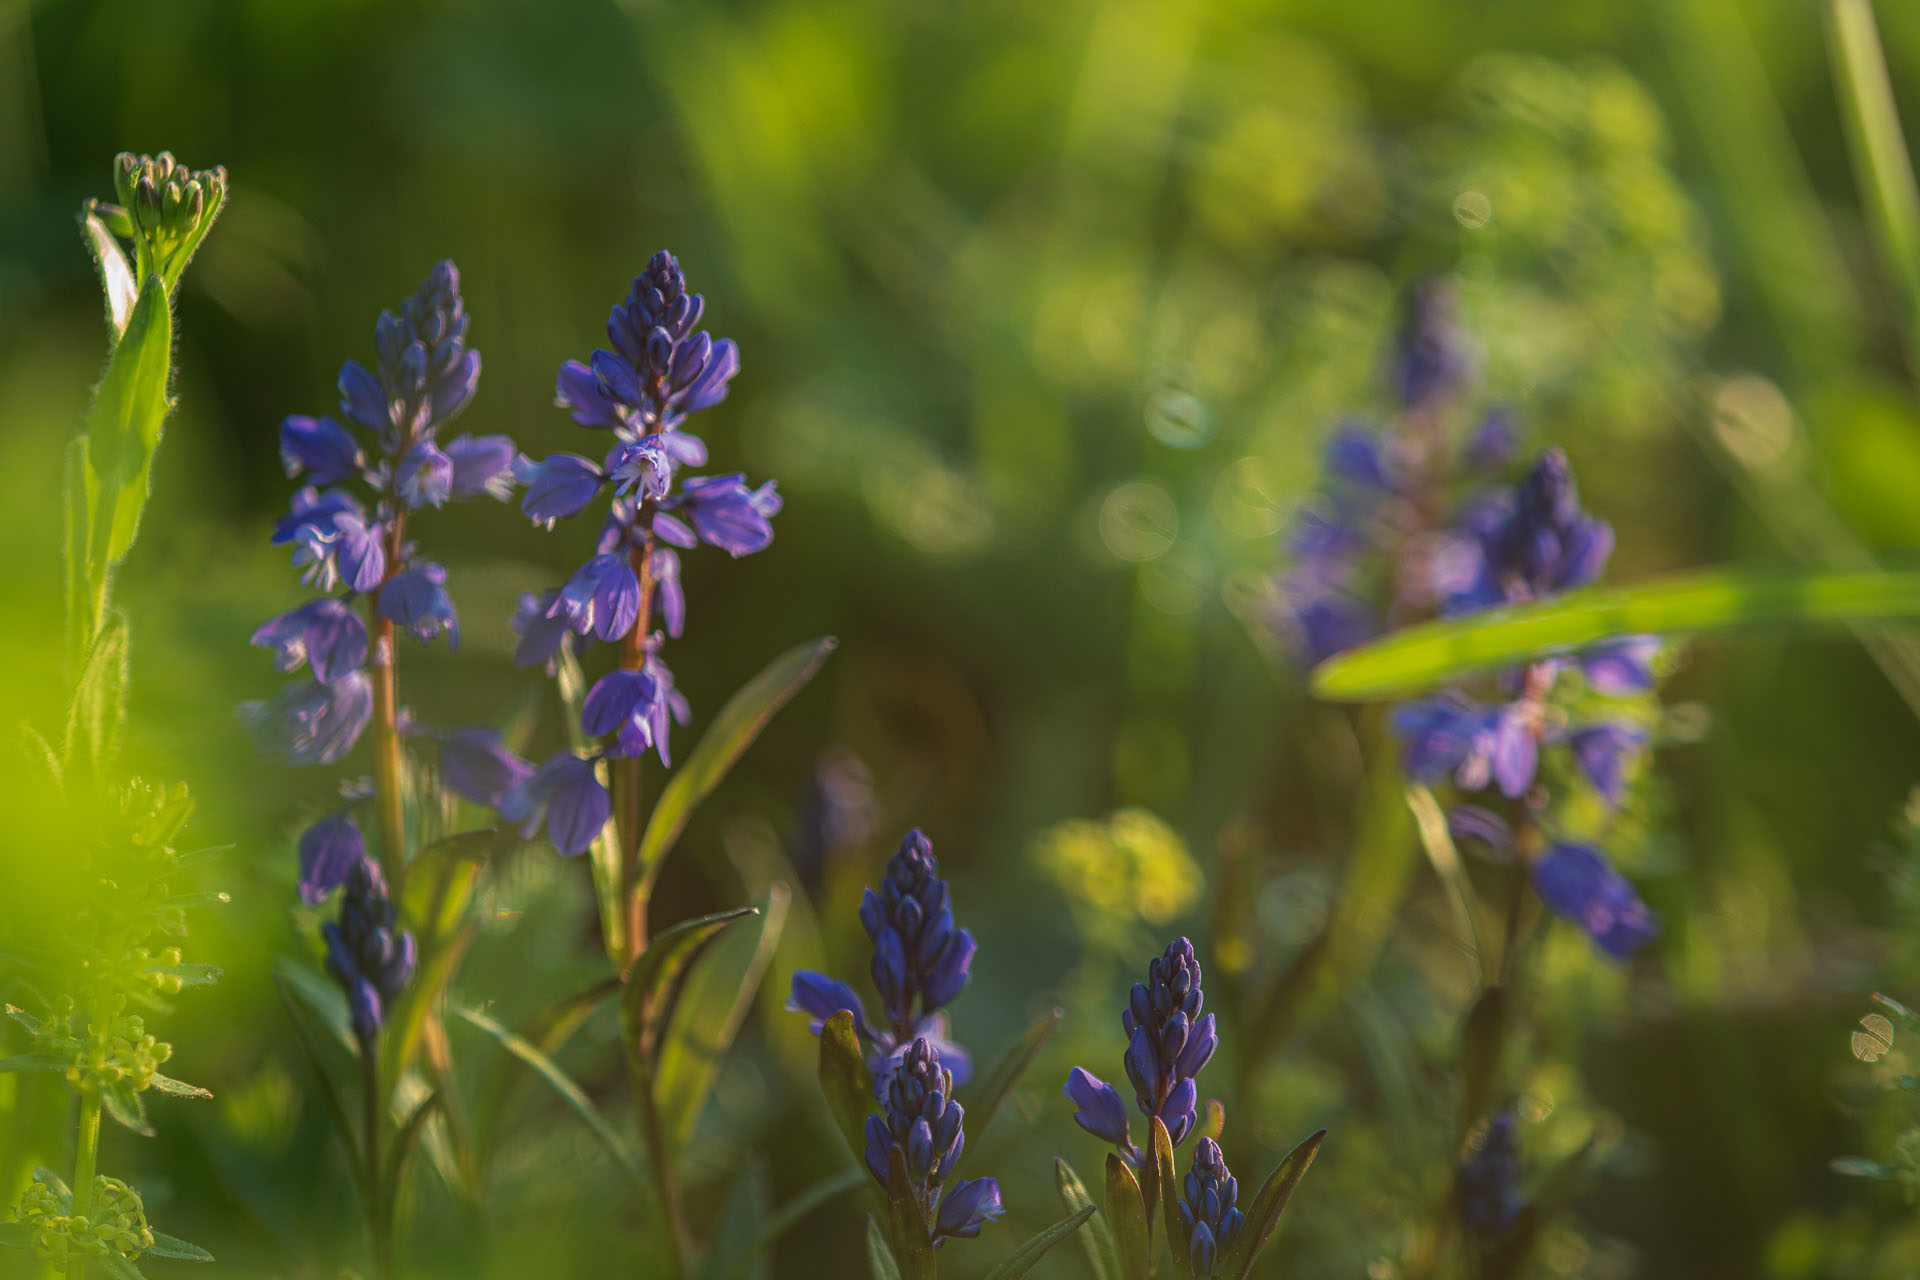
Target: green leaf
[(318, 994), (178, 1088), (1126, 1213), (731, 733), (662, 969), (126, 1107), (116, 277), (845, 1080), (123, 430), (880, 1258), (569, 1092), (794, 1210), (1167, 1182), (1022, 1260), (34, 1062), (735, 1250), (287, 980), (907, 1225), (117, 1267), (166, 1246), (1418, 658), (57, 1184), (984, 1101), (441, 876), (25, 1019), (98, 708), (1861, 1167), (193, 975), (1263, 1215), (1103, 1255), (408, 1019), (406, 1136), (714, 1004)]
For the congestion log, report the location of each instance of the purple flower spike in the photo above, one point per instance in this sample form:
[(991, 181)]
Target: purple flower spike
[(1209, 1209), (820, 997), (329, 849), (602, 598), (1098, 1108), (1490, 1180), (567, 794), (1168, 1041), (321, 448), (1579, 885), (920, 1119), (368, 954), (417, 601), (311, 722), (561, 486)]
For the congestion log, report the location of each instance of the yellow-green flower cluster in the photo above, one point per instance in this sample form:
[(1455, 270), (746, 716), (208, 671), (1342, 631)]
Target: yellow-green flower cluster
[(117, 1225)]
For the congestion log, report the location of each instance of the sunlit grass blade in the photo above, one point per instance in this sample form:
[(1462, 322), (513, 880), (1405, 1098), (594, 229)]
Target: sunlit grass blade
[(1419, 658), (1103, 1255), (570, 1093), (661, 972), (880, 1263), (1127, 1214), (730, 734), (1023, 1259), (1263, 1215), (1882, 167), (846, 1082)]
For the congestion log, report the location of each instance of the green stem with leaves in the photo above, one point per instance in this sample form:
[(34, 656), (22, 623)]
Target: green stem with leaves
[(86, 1158)]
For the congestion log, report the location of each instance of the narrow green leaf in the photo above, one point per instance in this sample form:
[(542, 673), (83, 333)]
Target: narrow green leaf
[(95, 714), (408, 1019), (845, 1080), (123, 430), (734, 1251), (166, 1246), (406, 1136), (34, 1062), (1103, 1255), (796, 1209), (907, 1225), (25, 1019), (178, 1088), (1022, 1260), (441, 876), (570, 1093), (1861, 1167), (1263, 1215), (1480, 1051), (983, 1102), (116, 277), (713, 1006), (604, 857), (661, 971), (1160, 1151), (286, 986), (192, 975), (320, 996), (117, 1267), (1214, 1123), (880, 1261), (127, 1108), (726, 739), (1418, 658), (1126, 1213)]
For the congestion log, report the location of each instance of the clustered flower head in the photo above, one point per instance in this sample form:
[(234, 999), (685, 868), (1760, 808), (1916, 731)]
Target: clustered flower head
[(368, 954), (1168, 1042), (1208, 1208), (921, 961), (920, 1119), (346, 526), (1489, 1180), (1383, 543), (1536, 541), (116, 1227), (661, 369)]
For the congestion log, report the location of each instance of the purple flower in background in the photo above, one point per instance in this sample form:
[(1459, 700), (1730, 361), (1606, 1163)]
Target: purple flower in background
[(541, 629), (1578, 884), (1600, 751), (417, 602), (329, 849), (321, 449), (1489, 1181), (1453, 735), (312, 722), (567, 795), (1209, 1210), (368, 954), (482, 465), (1433, 361), (601, 599), (324, 633), (474, 763), (561, 486), (1535, 540), (921, 1120), (920, 964), (728, 515), (1620, 668)]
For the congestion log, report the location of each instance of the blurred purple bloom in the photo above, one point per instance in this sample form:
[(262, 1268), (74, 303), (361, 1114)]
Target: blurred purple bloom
[(1620, 668), (368, 954), (1600, 751), (325, 633), (309, 722), (601, 599), (417, 601), (329, 849), (320, 447), (541, 631), (566, 793), (1576, 882), (1477, 745), (482, 464), (1434, 359), (1490, 1179), (476, 764), (560, 487), (728, 515), (1535, 541), (424, 477)]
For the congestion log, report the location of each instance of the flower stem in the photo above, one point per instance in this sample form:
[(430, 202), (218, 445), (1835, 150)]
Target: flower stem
[(626, 772), (86, 1158), (389, 804), (379, 1210), (640, 1083)]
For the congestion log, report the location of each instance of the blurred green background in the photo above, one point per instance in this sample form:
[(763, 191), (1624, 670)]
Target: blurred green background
[(1045, 312)]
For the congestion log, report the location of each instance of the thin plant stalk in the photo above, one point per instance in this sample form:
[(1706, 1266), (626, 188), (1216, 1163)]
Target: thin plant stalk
[(85, 1160)]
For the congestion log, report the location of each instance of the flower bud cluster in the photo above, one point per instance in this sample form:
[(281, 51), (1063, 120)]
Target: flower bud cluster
[(117, 1226)]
